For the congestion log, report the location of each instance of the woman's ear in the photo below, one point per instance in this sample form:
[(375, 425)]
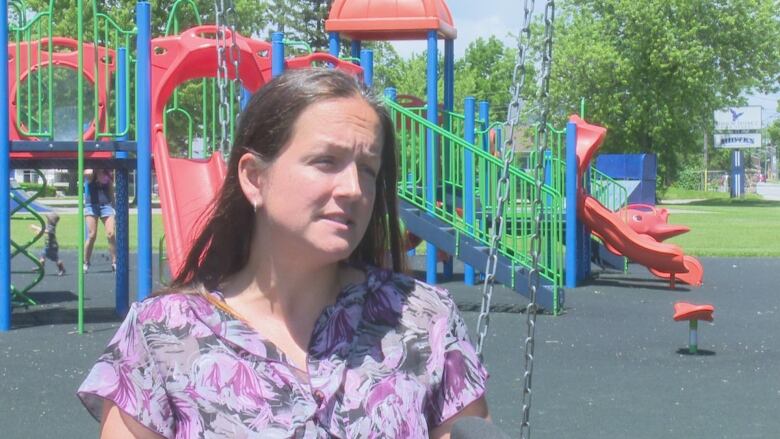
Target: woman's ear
[(250, 176)]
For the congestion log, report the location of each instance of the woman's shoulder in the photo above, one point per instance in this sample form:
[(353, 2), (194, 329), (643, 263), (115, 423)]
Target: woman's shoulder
[(414, 292), (174, 308)]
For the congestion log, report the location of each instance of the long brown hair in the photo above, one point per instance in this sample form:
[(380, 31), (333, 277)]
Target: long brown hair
[(266, 125)]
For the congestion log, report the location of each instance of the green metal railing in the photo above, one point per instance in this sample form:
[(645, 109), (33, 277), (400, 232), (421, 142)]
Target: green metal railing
[(450, 195), (24, 212), (607, 191), (612, 195), (208, 102)]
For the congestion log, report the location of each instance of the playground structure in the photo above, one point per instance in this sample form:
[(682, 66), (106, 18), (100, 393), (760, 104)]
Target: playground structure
[(666, 261), (448, 173), (37, 59)]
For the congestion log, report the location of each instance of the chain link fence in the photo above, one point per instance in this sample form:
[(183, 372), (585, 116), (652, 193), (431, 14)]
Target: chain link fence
[(718, 180)]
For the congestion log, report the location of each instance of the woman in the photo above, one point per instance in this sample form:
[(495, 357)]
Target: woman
[(285, 320), (99, 204)]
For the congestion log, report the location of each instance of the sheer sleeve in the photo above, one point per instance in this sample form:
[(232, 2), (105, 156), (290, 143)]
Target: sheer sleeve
[(126, 374), (463, 379)]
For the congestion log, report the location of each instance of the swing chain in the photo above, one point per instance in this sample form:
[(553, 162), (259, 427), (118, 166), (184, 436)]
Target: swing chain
[(224, 15), (538, 213), (497, 228), (235, 52)]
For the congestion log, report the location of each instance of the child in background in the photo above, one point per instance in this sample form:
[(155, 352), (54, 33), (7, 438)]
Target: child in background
[(51, 249)]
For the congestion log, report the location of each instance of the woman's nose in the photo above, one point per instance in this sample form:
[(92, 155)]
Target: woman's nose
[(349, 182)]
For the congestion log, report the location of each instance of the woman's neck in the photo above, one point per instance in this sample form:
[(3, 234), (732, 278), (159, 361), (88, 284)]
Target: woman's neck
[(286, 290)]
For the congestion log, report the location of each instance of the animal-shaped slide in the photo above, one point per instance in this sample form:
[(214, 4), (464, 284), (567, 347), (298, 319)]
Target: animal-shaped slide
[(667, 261)]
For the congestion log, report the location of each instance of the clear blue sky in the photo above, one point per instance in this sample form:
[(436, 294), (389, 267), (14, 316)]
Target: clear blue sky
[(483, 18)]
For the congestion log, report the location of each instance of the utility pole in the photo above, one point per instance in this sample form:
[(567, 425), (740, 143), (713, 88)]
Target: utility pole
[(706, 144)]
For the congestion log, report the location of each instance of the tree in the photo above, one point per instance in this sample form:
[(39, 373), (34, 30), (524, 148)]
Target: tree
[(654, 71), (485, 72), (302, 20)]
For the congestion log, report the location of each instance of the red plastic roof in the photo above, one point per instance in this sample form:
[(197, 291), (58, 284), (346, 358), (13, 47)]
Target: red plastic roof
[(390, 19)]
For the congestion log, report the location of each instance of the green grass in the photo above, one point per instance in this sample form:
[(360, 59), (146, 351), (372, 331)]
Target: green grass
[(675, 193), (719, 227), (68, 232), (728, 227)]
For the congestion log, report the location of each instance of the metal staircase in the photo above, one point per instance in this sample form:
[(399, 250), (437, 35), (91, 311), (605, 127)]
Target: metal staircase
[(453, 212)]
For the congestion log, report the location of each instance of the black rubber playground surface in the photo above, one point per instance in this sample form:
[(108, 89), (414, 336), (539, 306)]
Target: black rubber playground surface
[(613, 365)]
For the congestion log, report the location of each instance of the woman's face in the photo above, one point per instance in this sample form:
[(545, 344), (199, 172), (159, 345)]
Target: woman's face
[(317, 196), (104, 176)]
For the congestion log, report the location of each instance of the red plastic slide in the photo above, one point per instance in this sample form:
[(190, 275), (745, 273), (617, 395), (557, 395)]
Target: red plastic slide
[(664, 260), (188, 186)]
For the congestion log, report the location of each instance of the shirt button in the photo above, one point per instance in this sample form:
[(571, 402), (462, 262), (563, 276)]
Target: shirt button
[(319, 396)]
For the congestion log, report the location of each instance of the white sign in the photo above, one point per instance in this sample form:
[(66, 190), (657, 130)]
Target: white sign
[(738, 118), (749, 140)]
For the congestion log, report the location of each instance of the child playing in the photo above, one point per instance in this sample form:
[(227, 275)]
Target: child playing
[(51, 249)]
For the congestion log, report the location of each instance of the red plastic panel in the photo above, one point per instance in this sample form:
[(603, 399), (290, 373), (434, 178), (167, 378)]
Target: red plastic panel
[(34, 55)]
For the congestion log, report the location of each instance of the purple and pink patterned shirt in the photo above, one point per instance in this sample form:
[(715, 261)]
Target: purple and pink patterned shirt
[(391, 358)]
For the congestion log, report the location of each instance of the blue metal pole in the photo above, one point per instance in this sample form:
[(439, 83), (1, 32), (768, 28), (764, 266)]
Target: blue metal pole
[(246, 95), (469, 276), (5, 187), (122, 294), (144, 151), (121, 91), (449, 74), (737, 180), (449, 103), (484, 116), (277, 53), (583, 239), (432, 157), (367, 62), (334, 44), (392, 94), (571, 206), (122, 280), (354, 49), (449, 97)]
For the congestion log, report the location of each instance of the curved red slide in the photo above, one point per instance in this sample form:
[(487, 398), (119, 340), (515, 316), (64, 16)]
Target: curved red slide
[(664, 260)]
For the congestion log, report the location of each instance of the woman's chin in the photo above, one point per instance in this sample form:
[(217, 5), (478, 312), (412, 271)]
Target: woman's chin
[(335, 252)]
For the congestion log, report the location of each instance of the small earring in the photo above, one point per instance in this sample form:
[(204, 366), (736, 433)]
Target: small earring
[(254, 205)]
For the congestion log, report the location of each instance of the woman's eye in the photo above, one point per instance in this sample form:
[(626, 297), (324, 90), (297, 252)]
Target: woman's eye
[(370, 171), (325, 161)]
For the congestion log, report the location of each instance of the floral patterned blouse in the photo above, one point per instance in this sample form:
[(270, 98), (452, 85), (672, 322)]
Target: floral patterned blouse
[(391, 358)]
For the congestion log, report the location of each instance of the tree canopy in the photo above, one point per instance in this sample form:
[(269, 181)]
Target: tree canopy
[(654, 71)]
